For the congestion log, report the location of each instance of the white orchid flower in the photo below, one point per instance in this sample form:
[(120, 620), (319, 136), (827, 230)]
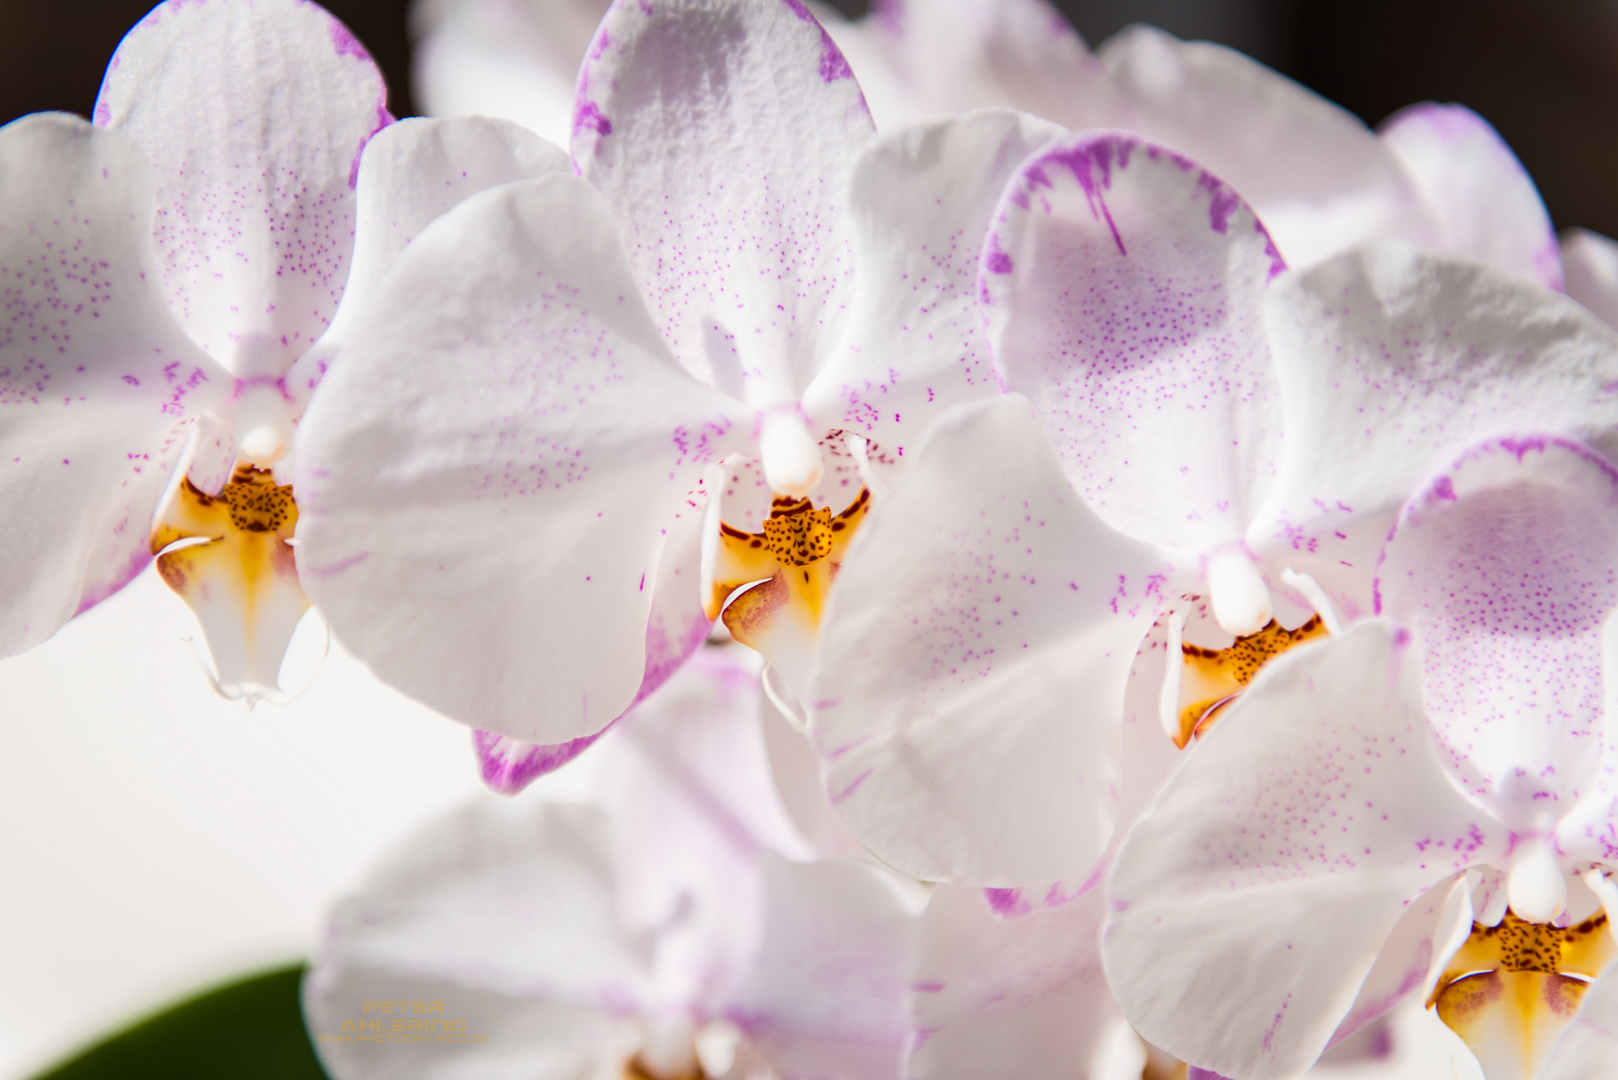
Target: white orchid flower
[(658, 933), (1590, 261), (587, 409), (1424, 805), (186, 269), (1195, 430)]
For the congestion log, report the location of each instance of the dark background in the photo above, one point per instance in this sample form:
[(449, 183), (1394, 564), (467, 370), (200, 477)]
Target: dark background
[(1544, 73)]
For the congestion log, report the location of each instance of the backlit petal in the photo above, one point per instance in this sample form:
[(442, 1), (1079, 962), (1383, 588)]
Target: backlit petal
[(974, 657), (487, 477), (1123, 286), (1317, 177), (1488, 206), (723, 135), (253, 115), (96, 378), (1250, 903), (1590, 262), (922, 198), (1506, 564)]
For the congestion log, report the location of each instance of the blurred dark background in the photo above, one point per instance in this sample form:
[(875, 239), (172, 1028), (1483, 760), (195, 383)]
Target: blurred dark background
[(1544, 73)]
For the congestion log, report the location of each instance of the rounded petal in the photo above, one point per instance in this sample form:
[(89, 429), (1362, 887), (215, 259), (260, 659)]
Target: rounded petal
[(96, 378), (1123, 288), (826, 994), (973, 659), (1392, 362), (486, 479), (412, 172), (503, 916), (516, 61), (253, 115), (1250, 904), (1590, 262), (1008, 997), (1319, 179), (723, 134), (967, 54), (922, 198), (1488, 206), (1590, 1046), (1506, 564)]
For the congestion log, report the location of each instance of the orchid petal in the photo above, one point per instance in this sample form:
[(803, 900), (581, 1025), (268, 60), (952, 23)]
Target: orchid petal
[(412, 172), (253, 116), (1392, 362), (540, 966), (499, 452), (1482, 195), (1316, 176), (1590, 1045), (1123, 286), (1507, 566), (1007, 997), (96, 378), (967, 54), (795, 770), (723, 135), (1590, 262), (922, 198), (974, 657), (1250, 904), (516, 61), (826, 994)]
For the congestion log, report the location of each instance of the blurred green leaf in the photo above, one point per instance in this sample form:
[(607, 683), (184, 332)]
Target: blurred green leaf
[(247, 1030)]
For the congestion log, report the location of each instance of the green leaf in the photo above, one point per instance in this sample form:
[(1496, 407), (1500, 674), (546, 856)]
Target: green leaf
[(247, 1030)]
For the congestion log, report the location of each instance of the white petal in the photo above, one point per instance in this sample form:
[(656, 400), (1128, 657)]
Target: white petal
[(1506, 564), (1008, 997), (1489, 207), (1590, 1046), (1123, 287), (723, 135), (795, 769), (922, 200), (1319, 179), (1250, 904), (503, 913), (516, 61), (253, 116), (410, 173), (486, 478), (973, 660), (1392, 362), (1590, 262), (96, 378), (826, 996)]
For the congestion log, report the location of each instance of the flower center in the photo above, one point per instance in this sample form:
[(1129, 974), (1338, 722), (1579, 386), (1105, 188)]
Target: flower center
[(1211, 679), (237, 573)]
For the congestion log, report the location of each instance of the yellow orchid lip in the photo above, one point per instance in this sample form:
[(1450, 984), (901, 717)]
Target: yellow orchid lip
[(1211, 679), (237, 573)]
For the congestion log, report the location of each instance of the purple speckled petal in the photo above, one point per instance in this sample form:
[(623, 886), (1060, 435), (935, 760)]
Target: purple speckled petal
[(1250, 904), (1590, 1046), (504, 912), (974, 658), (922, 200), (1007, 997), (96, 378), (487, 479), (496, 58), (1506, 564), (253, 115), (1590, 262), (1319, 179), (1481, 194), (1392, 361), (826, 995), (1123, 288), (410, 173), (723, 135)]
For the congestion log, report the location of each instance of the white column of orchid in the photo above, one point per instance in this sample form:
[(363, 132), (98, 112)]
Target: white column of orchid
[(1423, 805), (228, 228)]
